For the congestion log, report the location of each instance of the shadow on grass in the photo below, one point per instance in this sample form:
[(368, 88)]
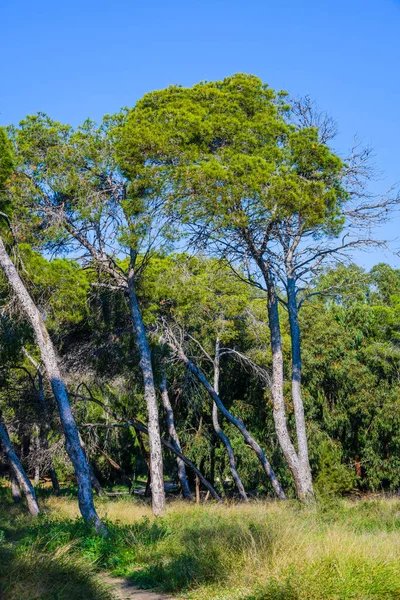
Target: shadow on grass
[(42, 577), (275, 591), (205, 552)]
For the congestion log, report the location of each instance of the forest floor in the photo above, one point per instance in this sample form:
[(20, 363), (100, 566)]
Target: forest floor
[(336, 550), (123, 589)]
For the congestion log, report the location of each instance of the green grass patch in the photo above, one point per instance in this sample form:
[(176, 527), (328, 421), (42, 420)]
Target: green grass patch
[(340, 550)]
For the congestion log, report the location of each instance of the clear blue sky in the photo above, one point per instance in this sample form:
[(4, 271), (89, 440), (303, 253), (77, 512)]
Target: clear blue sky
[(82, 59)]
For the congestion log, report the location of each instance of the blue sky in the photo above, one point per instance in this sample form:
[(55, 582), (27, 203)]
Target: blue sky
[(83, 59)]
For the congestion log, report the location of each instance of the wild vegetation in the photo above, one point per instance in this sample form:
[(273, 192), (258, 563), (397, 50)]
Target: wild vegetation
[(342, 549), (181, 317)]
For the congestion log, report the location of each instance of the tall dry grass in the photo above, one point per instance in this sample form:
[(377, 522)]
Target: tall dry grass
[(261, 551)]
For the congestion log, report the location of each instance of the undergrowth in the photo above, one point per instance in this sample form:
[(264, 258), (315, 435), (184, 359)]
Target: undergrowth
[(342, 550)]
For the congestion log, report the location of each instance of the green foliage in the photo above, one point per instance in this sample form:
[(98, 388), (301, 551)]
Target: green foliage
[(6, 158), (60, 286), (223, 154)]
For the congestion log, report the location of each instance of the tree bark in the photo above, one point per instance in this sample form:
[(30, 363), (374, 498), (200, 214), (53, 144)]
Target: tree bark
[(18, 470), (35, 442), (53, 373), (15, 489), (156, 459), (140, 428), (169, 416), (236, 422), (117, 467), (96, 485), (146, 456), (278, 401), (301, 433), (217, 427), (301, 479), (45, 421)]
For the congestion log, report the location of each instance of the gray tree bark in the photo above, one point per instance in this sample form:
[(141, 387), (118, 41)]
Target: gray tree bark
[(127, 283), (53, 373), (45, 423), (156, 458), (140, 428), (15, 489), (236, 422), (301, 433), (217, 427), (279, 411), (169, 416), (96, 485), (35, 441), (18, 471)]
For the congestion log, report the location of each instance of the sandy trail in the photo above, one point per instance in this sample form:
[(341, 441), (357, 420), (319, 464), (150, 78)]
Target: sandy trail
[(123, 589)]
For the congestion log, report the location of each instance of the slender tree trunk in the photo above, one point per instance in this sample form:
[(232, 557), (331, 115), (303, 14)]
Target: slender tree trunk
[(169, 416), (156, 459), (18, 470), (146, 457), (15, 489), (124, 477), (278, 401), (54, 481), (35, 442), (236, 422), (140, 428), (49, 359), (45, 422), (96, 485), (302, 443), (217, 427), (147, 489)]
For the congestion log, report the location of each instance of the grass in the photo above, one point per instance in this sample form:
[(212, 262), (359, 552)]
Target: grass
[(344, 550)]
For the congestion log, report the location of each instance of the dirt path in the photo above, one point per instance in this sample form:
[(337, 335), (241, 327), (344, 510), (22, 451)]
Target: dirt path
[(123, 589)]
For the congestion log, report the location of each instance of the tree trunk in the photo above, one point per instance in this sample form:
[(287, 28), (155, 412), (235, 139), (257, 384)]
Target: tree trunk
[(45, 422), (15, 489), (218, 430), (125, 478), (54, 481), (140, 428), (96, 485), (146, 457), (236, 422), (279, 411), (35, 442), (18, 471), (49, 359), (169, 416), (147, 489), (156, 459), (301, 433)]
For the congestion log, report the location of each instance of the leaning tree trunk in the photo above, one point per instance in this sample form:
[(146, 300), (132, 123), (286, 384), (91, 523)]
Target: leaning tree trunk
[(169, 416), (156, 459), (49, 360), (18, 470), (15, 489), (35, 442), (278, 400), (45, 422), (140, 428), (96, 485), (236, 422), (217, 427), (302, 443)]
